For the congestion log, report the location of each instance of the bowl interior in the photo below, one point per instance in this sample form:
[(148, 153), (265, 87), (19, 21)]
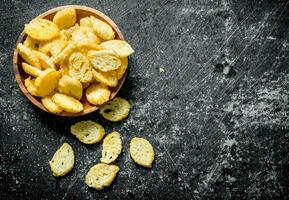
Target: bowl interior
[(20, 75)]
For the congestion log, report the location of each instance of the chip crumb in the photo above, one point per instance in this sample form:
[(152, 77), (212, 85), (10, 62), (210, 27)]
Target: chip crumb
[(162, 70)]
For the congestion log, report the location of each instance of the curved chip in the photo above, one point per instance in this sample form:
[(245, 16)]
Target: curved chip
[(67, 103), (79, 67), (29, 84), (111, 147), (31, 70), (44, 60), (28, 55), (108, 79), (50, 105), (47, 82), (120, 47), (122, 68), (97, 94), (104, 60), (65, 53), (65, 18), (101, 175), (68, 32), (142, 152), (85, 35), (88, 132), (85, 21), (70, 86), (115, 110), (102, 29), (41, 29), (55, 46), (62, 161), (30, 43)]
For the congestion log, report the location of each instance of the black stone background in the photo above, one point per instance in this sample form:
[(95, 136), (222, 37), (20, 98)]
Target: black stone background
[(217, 117)]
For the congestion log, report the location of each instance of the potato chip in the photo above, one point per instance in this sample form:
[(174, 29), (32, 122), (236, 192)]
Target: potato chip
[(122, 68), (30, 43), (142, 152), (115, 110), (65, 53), (102, 29), (47, 82), (55, 46), (68, 32), (86, 21), (85, 35), (79, 67), (41, 29), (31, 70), (62, 161), (88, 132), (120, 47), (104, 60), (63, 68), (97, 94), (111, 147), (29, 84), (44, 60), (67, 103), (105, 78), (65, 18), (70, 86), (28, 55), (101, 175), (50, 105)]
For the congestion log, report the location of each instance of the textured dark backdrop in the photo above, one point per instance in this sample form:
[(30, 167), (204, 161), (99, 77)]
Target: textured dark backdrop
[(217, 117)]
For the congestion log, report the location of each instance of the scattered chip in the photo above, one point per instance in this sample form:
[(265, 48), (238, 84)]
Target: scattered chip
[(65, 18), (28, 55), (102, 29), (79, 67), (142, 152), (120, 47), (115, 110), (67, 103), (105, 78), (104, 60), (88, 132), (41, 29), (47, 82), (97, 94), (111, 147), (70, 86), (101, 175), (50, 105), (62, 161)]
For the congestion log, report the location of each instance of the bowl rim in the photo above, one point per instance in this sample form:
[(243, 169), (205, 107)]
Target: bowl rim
[(21, 37)]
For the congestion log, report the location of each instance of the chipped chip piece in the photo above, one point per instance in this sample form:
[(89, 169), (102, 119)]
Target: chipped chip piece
[(47, 82), (79, 67), (104, 60), (70, 86), (50, 105), (65, 18), (44, 60), (67, 103), (87, 132), (97, 94), (30, 43), (142, 152), (120, 47), (85, 35), (29, 84), (105, 78), (111, 147), (28, 55), (41, 29), (102, 29), (62, 161), (115, 110), (101, 175)]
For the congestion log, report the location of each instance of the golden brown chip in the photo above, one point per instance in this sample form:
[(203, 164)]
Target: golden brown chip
[(86, 21), (54, 46), (65, 53), (122, 68), (104, 60), (65, 18), (108, 79), (31, 70), (41, 29), (29, 84), (47, 82), (97, 94), (28, 55), (85, 35), (102, 29), (50, 105), (70, 86), (67, 103), (111, 147), (30, 43), (120, 47), (44, 60)]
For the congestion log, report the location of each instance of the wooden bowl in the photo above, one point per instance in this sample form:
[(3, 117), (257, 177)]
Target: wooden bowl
[(20, 75)]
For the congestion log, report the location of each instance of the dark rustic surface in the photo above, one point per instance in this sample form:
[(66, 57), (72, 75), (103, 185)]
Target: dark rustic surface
[(217, 116)]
